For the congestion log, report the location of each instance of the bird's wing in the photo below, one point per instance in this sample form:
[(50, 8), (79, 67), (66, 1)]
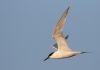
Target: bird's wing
[(58, 35), (56, 46)]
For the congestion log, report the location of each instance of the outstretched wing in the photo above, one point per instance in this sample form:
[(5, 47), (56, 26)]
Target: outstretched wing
[(58, 35)]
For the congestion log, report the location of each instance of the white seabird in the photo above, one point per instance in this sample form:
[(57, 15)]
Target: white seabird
[(63, 50)]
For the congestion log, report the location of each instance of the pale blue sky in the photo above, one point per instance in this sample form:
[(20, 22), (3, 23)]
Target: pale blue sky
[(26, 27)]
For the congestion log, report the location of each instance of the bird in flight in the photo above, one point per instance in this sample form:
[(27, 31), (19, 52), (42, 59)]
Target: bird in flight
[(63, 50)]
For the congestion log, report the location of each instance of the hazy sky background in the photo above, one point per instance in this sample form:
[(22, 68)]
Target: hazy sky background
[(26, 27)]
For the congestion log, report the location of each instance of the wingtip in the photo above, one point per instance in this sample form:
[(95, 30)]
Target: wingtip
[(66, 37), (68, 8)]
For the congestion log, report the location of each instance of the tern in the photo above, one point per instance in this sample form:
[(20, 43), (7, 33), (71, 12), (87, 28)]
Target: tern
[(63, 50)]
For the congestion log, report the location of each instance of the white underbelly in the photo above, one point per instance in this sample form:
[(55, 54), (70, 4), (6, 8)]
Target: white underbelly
[(59, 55)]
